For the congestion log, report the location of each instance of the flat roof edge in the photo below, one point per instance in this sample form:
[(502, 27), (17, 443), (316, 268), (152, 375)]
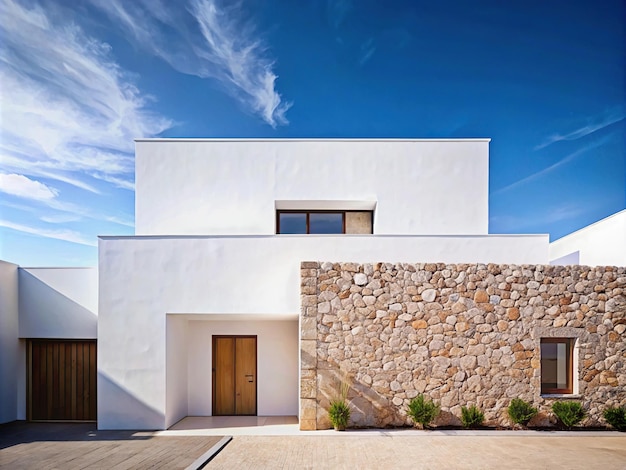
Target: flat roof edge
[(192, 237), (300, 139)]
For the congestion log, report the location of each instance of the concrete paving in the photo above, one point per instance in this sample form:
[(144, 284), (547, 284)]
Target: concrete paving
[(277, 443), (399, 451), (79, 445)]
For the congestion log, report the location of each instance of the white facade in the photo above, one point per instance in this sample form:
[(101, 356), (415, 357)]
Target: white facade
[(225, 187), (600, 244), (206, 259), (163, 297)]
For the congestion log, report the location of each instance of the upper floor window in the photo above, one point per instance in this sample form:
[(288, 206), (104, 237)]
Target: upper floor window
[(323, 222), (557, 365)]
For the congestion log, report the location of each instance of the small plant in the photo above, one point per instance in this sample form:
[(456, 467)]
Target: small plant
[(472, 417), (569, 413), (520, 411), (339, 414), (339, 411), (616, 417), (422, 411)]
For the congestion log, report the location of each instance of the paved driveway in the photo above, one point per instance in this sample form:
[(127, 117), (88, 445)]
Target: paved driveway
[(74, 446), (64, 446), (606, 451)]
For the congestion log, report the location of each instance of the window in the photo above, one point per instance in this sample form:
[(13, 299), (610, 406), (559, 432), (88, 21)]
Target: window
[(323, 222), (557, 365)]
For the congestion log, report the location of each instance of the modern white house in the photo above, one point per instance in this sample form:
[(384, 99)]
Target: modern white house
[(198, 314), (210, 284)]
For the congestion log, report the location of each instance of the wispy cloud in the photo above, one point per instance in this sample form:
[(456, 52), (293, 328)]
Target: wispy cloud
[(55, 211), (593, 125), (67, 235), (540, 174), (510, 223), (209, 39), (72, 112), (367, 51), (21, 186), (337, 10), (60, 218)]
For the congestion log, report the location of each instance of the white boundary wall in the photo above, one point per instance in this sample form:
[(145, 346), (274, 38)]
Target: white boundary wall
[(600, 244), (60, 303), (9, 342)]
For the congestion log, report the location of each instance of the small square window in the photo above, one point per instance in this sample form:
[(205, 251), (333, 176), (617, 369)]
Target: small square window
[(557, 365)]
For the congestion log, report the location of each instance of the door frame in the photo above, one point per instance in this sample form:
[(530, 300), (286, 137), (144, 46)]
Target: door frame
[(256, 372)]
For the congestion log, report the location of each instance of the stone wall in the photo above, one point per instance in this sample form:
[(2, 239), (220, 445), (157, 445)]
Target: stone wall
[(461, 334)]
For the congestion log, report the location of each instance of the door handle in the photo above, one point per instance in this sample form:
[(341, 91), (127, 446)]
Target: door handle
[(250, 378)]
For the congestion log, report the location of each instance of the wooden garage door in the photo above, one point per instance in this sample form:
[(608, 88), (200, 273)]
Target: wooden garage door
[(61, 380)]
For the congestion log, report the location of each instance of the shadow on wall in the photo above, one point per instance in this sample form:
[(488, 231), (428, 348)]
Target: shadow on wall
[(47, 313), (368, 407), (119, 408)]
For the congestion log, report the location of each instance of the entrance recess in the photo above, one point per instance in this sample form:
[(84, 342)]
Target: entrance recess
[(234, 375), (61, 380)]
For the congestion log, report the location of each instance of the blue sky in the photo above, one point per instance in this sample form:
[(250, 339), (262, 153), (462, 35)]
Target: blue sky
[(81, 79)]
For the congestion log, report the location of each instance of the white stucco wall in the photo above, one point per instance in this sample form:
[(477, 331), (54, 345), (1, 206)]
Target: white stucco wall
[(9, 342), (144, 278), (58, 303), (277, 363), (176, 369), (600, 244), (228, 187)]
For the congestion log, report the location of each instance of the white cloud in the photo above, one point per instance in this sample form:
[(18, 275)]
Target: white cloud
[(593, 125), (121, 183), (66, 235), (68, 212), (60, 218), (209, 39), (21, 186), (71, 110)]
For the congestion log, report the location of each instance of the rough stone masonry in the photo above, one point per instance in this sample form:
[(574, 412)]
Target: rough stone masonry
[(462, 334)]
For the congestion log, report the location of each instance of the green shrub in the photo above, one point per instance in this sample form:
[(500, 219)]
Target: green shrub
[(520, 411), (422, 411), (339, 414), (569, 413), (616, 417), (472, 417), (339, 411)]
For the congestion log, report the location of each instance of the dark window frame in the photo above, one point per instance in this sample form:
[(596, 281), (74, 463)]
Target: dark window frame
[(321, 211), (308, 223), (569, 364)]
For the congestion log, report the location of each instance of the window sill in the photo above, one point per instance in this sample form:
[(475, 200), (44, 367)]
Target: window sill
[(572, 396)]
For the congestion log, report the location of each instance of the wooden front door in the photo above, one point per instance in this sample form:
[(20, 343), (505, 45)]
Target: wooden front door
[(61, 380), (234, 375)]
